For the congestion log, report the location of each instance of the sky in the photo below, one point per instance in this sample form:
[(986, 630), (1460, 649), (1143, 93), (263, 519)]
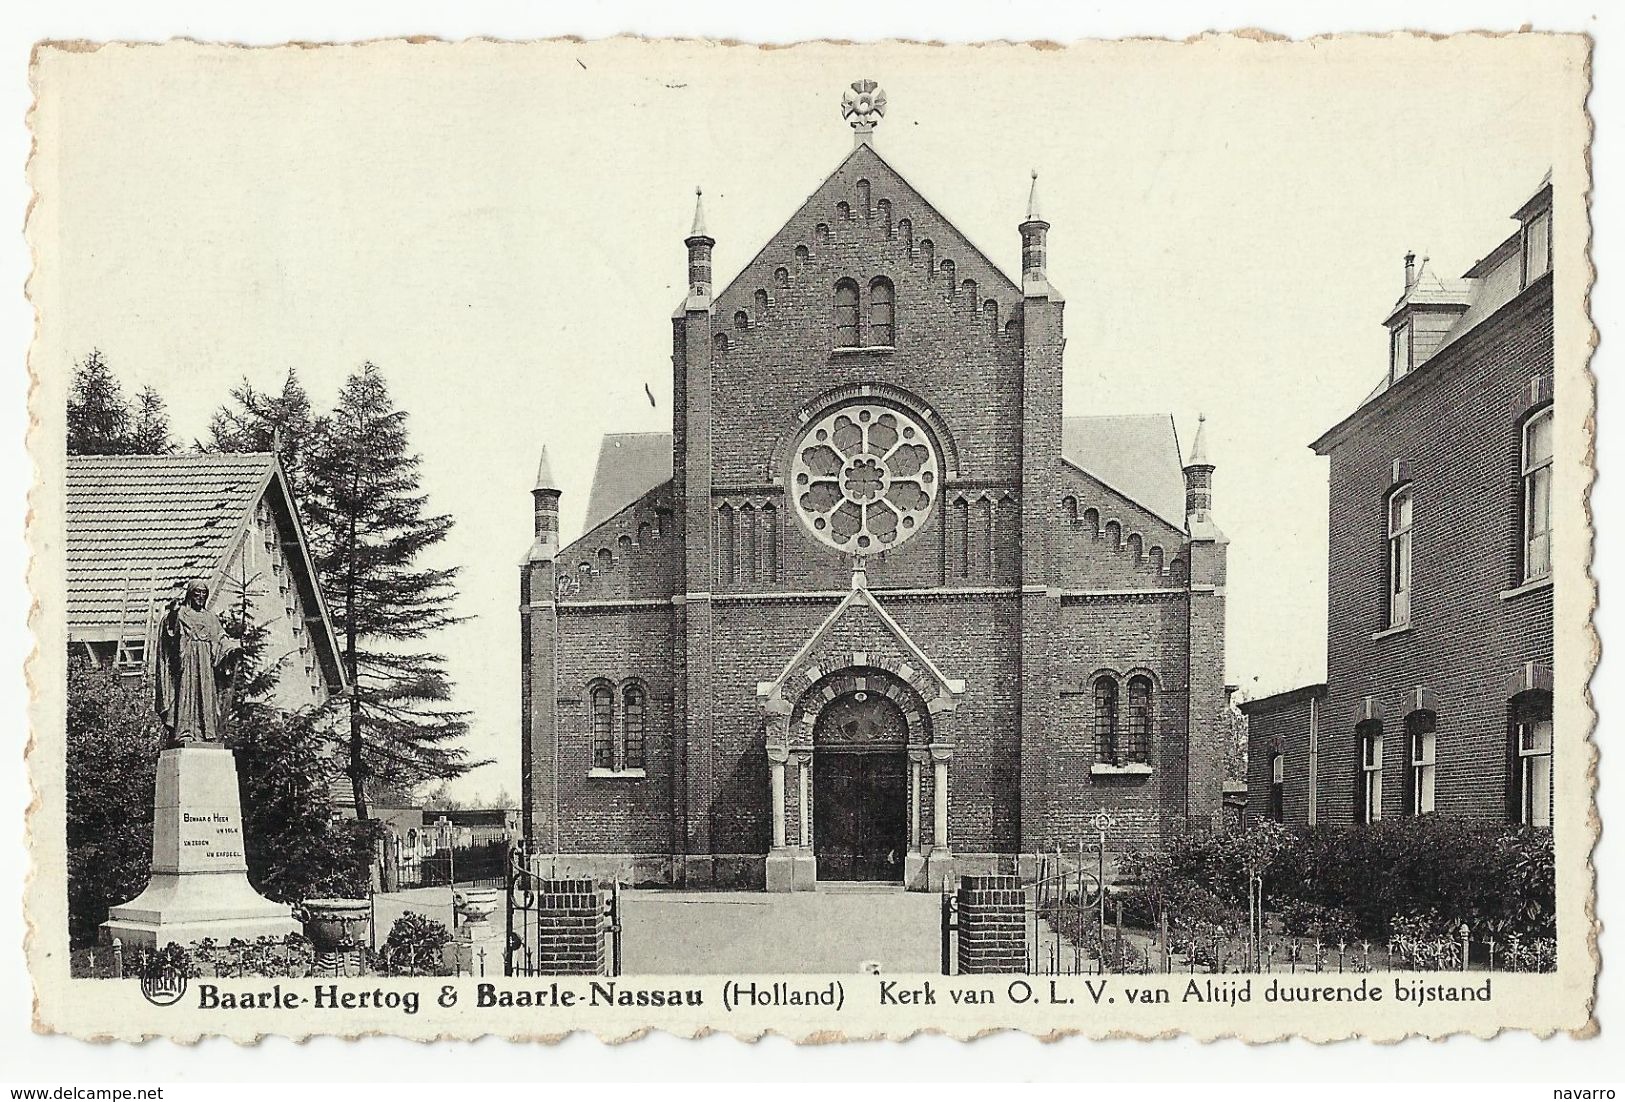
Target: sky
[(500, 228)]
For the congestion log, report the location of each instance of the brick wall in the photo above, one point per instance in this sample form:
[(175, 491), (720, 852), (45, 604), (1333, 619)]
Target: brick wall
[(1456, 423), (1282, 721), (992, 925), (569, 935), (707, 586)]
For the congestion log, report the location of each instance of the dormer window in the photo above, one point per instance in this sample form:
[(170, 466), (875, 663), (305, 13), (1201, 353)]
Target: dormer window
[(1537, 246), (1399, 352)]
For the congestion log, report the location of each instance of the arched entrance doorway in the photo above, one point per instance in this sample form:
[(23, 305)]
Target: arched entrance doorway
[(860, 787)]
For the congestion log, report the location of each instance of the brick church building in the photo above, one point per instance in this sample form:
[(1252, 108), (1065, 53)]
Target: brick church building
[(876, 608)]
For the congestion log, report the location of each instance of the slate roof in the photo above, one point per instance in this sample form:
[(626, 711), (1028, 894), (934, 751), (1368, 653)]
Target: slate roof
[(1136, 455), (163, 518), (630, 464)]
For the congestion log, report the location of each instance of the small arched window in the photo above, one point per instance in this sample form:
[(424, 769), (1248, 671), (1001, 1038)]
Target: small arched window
[(882, 313), (846, 314), (1105, 720), (632, 726), (603, 727), (1138, 748)]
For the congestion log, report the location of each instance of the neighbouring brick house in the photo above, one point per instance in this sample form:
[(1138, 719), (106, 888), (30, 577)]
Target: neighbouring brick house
[(140, 527), (875, 608), (1439, 646)]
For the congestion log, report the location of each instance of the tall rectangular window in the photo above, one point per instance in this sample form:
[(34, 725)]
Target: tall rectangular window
[(1400, 517), (1534, 769), (1278, 787), (1370, 809), (846, 314), (1424, 751), (1139, 719), (632, 719), (1537, 247), (1400, 351), (1537, 496), (603, 727), (1106, 720)]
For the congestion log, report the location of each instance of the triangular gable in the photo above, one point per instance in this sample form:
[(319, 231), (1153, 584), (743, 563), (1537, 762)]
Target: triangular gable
[(1135, 455), (885, 182), (887, 646)]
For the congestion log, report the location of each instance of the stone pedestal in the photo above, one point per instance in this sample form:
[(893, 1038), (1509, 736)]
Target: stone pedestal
[(475, 931), (199, 886)]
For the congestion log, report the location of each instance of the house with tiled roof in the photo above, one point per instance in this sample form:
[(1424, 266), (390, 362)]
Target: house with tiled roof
[(140, 527), (875, 608)]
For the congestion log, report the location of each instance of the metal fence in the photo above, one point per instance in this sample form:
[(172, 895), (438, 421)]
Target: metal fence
[(482, 864), (1074, 927)]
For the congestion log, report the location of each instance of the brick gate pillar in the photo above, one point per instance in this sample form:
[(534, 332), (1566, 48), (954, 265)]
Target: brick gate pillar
[(992, 925), (569, 929)]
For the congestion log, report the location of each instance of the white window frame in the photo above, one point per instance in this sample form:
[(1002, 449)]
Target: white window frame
[(1535, 772), (1401, 558), (1424, 771), (1537, 260), (1537, 479), (1399, 351), (1371, 767)]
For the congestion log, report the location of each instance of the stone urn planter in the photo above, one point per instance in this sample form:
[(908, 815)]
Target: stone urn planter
[(477, 905), (337, 929)]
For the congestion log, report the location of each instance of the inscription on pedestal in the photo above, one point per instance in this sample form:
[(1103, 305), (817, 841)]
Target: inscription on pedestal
[(212, 836)]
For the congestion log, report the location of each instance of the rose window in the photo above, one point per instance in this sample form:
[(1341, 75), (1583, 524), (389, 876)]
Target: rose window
[(864, 478)]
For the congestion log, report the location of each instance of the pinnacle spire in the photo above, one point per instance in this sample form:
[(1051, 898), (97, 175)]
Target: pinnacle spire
[(544, 473), (1198, 456), (1032, 201), (698, 229)]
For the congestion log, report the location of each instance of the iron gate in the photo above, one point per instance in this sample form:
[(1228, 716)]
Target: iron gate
[(530, 875)]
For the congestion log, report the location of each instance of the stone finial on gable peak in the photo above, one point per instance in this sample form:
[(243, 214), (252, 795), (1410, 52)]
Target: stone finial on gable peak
[(863, 105)]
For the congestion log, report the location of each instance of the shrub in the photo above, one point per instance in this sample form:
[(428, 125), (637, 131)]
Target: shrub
[(415, 946), (112, 756)]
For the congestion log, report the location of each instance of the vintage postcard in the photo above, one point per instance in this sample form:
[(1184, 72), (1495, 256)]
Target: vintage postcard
[(836, 541)]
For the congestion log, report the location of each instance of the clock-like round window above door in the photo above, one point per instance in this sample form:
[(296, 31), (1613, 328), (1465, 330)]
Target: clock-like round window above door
[(864, 478)]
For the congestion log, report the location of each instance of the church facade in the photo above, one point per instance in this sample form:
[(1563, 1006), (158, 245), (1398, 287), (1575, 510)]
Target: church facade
[(875, 608)]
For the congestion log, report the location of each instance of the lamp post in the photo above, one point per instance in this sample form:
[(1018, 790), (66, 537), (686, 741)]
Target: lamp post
[(1102, 823)]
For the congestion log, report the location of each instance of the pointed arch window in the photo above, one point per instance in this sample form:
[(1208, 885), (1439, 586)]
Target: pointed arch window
[(846, 314), (882, 313)]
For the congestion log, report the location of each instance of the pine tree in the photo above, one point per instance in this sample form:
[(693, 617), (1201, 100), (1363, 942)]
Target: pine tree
[(149, 432), (295, 846), (260, 422), (368, 526), (101, 420)]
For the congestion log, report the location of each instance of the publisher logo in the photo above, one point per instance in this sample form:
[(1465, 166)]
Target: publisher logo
[(163, 983)]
